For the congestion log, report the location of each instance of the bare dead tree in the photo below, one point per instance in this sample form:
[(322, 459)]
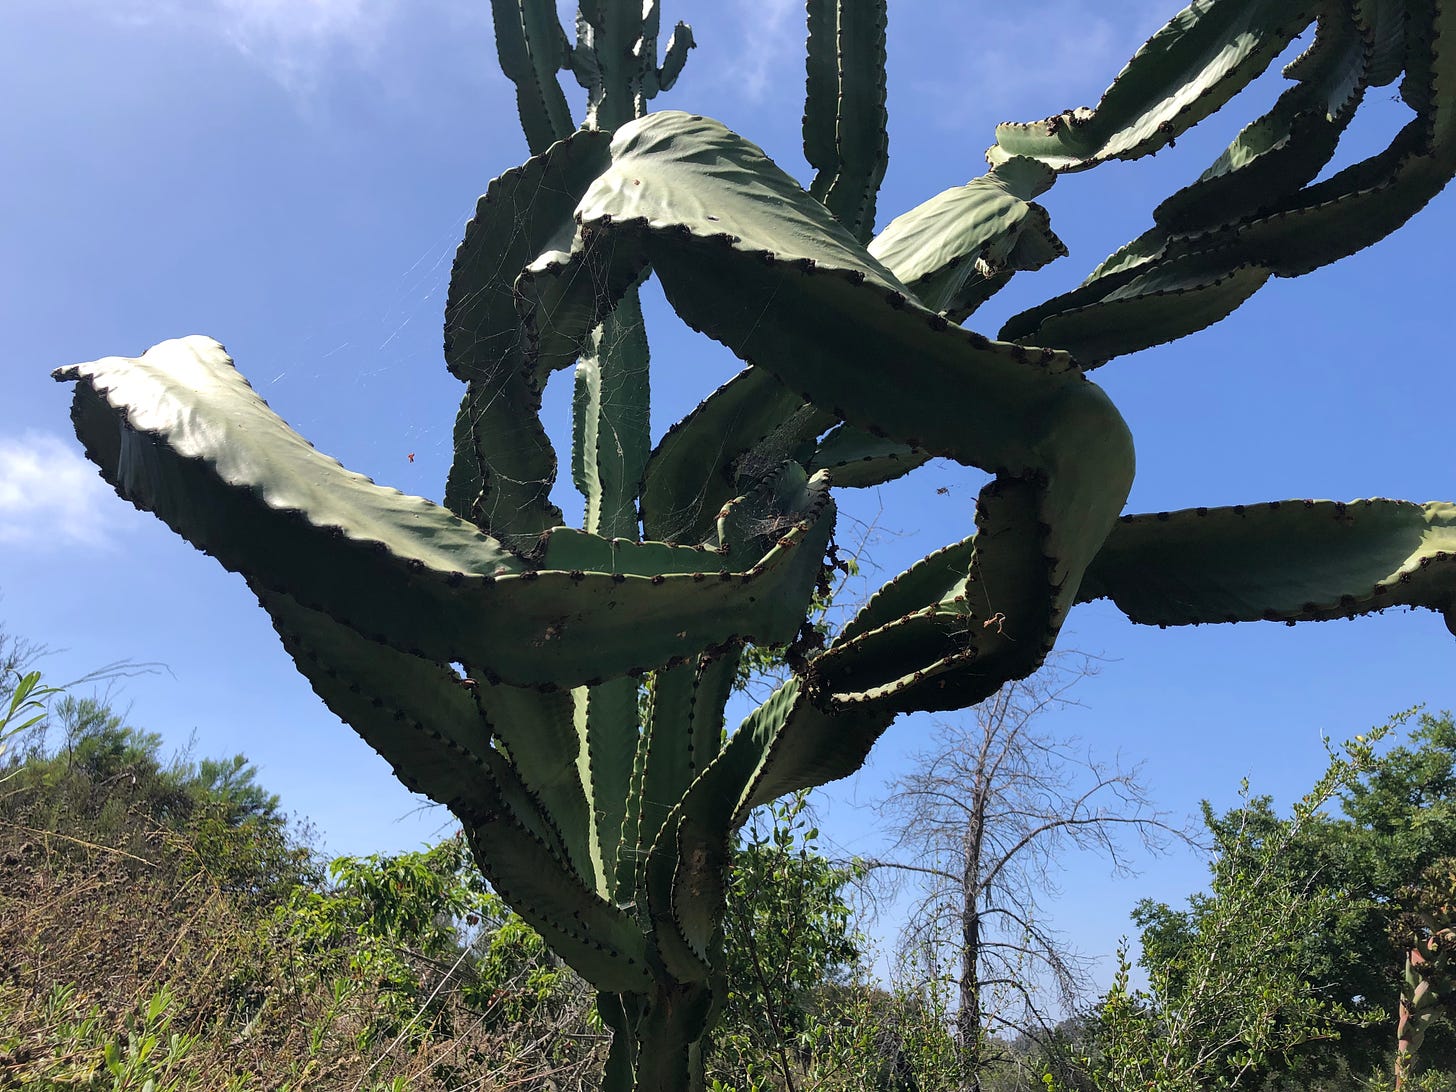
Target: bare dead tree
[(980, 825)]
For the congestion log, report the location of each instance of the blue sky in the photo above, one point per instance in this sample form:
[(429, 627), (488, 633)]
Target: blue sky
[(292, 176)]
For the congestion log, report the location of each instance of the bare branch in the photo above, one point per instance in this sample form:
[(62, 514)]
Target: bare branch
[(979, 822)]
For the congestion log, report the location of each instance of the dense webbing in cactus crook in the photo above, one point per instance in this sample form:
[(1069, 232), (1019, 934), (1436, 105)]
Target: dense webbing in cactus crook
[(585, 754)]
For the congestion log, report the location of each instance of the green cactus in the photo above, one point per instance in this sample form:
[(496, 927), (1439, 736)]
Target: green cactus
[(604, 819), (1427, 930)]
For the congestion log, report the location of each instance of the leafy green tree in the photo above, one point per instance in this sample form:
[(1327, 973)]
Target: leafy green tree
[(1233, 985), (95, 746), (1303, 908), (787, 938)]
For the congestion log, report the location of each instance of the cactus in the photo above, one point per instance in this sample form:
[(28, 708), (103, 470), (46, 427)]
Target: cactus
[(1427, 930), (604, 819)]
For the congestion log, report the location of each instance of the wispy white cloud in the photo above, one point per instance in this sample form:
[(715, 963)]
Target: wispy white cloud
[(768, 42), (50, 495), (1036, 61), (295, 41)]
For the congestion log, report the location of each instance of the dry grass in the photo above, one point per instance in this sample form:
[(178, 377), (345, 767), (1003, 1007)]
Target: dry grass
[(142, 951)]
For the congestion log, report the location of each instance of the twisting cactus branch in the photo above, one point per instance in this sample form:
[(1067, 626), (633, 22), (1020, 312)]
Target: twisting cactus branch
[(607, 821)]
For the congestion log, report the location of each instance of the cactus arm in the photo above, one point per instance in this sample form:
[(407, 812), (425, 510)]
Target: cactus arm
[(856, 459), (710, 210), (712, 688), (787, 743), (1129, 302), (532, 48), (934, 577), (599, 941), (691, 472), (681, 735), (1418, 88), (994, 625), (684, 741), (947, 247), (674, 56), (607, 38), (523, 213), (1027, 416), (629, 855), (845, 135), (1198, 61), (425, 725), (1169, 301), (1387, 22), (610, 432), (586, 405), (429, 727), (750, 422), (1283, 561), (434, 729), (615, 59), (204, 453), (790, 743), (180, 432), (537, 732), (686, 711), (1319, 225), (504, 463), (606, 724), (667, 749), (1286, 148)]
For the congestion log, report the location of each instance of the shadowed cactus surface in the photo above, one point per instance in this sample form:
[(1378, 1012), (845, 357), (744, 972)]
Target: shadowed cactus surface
[(605, 819)]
